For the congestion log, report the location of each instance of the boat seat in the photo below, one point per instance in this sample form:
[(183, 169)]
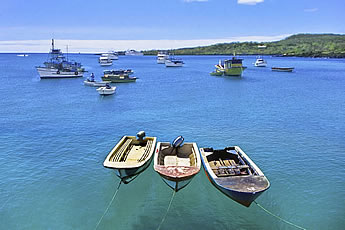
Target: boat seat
[(176, 161), (118, 154)]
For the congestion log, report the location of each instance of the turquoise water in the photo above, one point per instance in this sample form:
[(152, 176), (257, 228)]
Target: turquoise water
[(56, 133)]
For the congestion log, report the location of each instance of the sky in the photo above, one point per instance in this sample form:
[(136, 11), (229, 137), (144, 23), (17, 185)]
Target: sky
[(91, 26)]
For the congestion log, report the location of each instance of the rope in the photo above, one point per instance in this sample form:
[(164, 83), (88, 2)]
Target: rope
[(172, 197), (115, 193), (3, 205), (279, 217)]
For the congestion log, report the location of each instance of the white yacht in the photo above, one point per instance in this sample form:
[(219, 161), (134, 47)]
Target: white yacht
[(105, 61), (260, 62), (162, 57), (111, 55), (133, 53), (174, 62)]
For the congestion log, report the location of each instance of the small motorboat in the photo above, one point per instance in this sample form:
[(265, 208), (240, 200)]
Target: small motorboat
[(106, 90), (232, 172), (131, 156), (91, 82), (177, 164), (260, 62), (283, 69), (173, 62)]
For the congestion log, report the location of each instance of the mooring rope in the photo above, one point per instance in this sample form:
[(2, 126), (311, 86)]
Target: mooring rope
[(278, 217), (172, 197), (3, 205), (115, 193)]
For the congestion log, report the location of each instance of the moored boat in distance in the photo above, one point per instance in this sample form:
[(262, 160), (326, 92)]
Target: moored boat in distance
[(111, 55), (105, 61), (162, 57), (106, 90), (232, 172), (90, 81), (58, 66), (283, 69), (260, 62), (117, 76), (177, 164), (133, 53), (174, 62), (22, 55), (131, 156), (229, 67)]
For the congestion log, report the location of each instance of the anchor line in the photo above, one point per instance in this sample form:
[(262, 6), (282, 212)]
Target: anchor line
[(112, 199), (172, 197), (278, 217)]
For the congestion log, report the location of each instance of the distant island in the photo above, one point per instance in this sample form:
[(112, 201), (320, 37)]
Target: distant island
[(300, 45)]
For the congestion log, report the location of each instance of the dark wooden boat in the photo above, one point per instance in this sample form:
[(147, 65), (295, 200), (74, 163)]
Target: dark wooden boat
[(177, 164), (283, 69), (232, 172), (131, 156)]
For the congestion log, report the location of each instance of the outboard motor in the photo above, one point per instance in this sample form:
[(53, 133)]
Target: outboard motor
[(141, 136), (177, 142)]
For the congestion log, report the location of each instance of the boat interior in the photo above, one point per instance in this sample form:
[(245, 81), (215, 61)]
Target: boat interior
[(227, 162), (181, 156), (132, 150)]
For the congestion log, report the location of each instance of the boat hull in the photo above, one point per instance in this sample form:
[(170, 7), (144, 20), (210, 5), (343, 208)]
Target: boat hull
[(54, 73), (119, 80), (96, 83), (134, 157), (175, 183), (282, 69), (243, 198), (104, 91), (168, 64), (260, 64), (234, 71), (242, 188), (127, 175)]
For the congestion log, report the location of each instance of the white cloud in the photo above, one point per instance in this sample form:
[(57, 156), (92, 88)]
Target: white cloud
[(97, 46), (311, 10), (249, 2)]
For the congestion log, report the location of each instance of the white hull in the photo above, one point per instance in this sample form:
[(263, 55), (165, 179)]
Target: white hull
[(105, 91), (96, 83), (173, 64), (161, 61), (54, 73), (106, 64), (260, 64)]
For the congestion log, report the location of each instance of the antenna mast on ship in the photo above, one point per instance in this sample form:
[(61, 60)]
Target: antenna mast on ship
[(52, 44)]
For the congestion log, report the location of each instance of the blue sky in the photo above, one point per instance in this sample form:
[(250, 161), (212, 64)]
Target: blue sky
[(166, 19)]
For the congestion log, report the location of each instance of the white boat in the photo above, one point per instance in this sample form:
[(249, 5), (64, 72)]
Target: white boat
[(105, 61), (162, 57), (111, 55), (133, 53), (174, 62), (94, 83), (177, 164), (260, 62), (45, 72), (106, 90), (131, 156), (58, 66), (22, 55)]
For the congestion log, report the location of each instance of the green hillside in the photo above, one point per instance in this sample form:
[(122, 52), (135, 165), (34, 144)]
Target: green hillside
[(303, 45)]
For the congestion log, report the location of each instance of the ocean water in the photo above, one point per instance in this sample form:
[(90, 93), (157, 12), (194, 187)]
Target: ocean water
[(56, 133)]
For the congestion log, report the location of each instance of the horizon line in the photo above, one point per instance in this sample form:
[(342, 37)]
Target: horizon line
[(99, 46)]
